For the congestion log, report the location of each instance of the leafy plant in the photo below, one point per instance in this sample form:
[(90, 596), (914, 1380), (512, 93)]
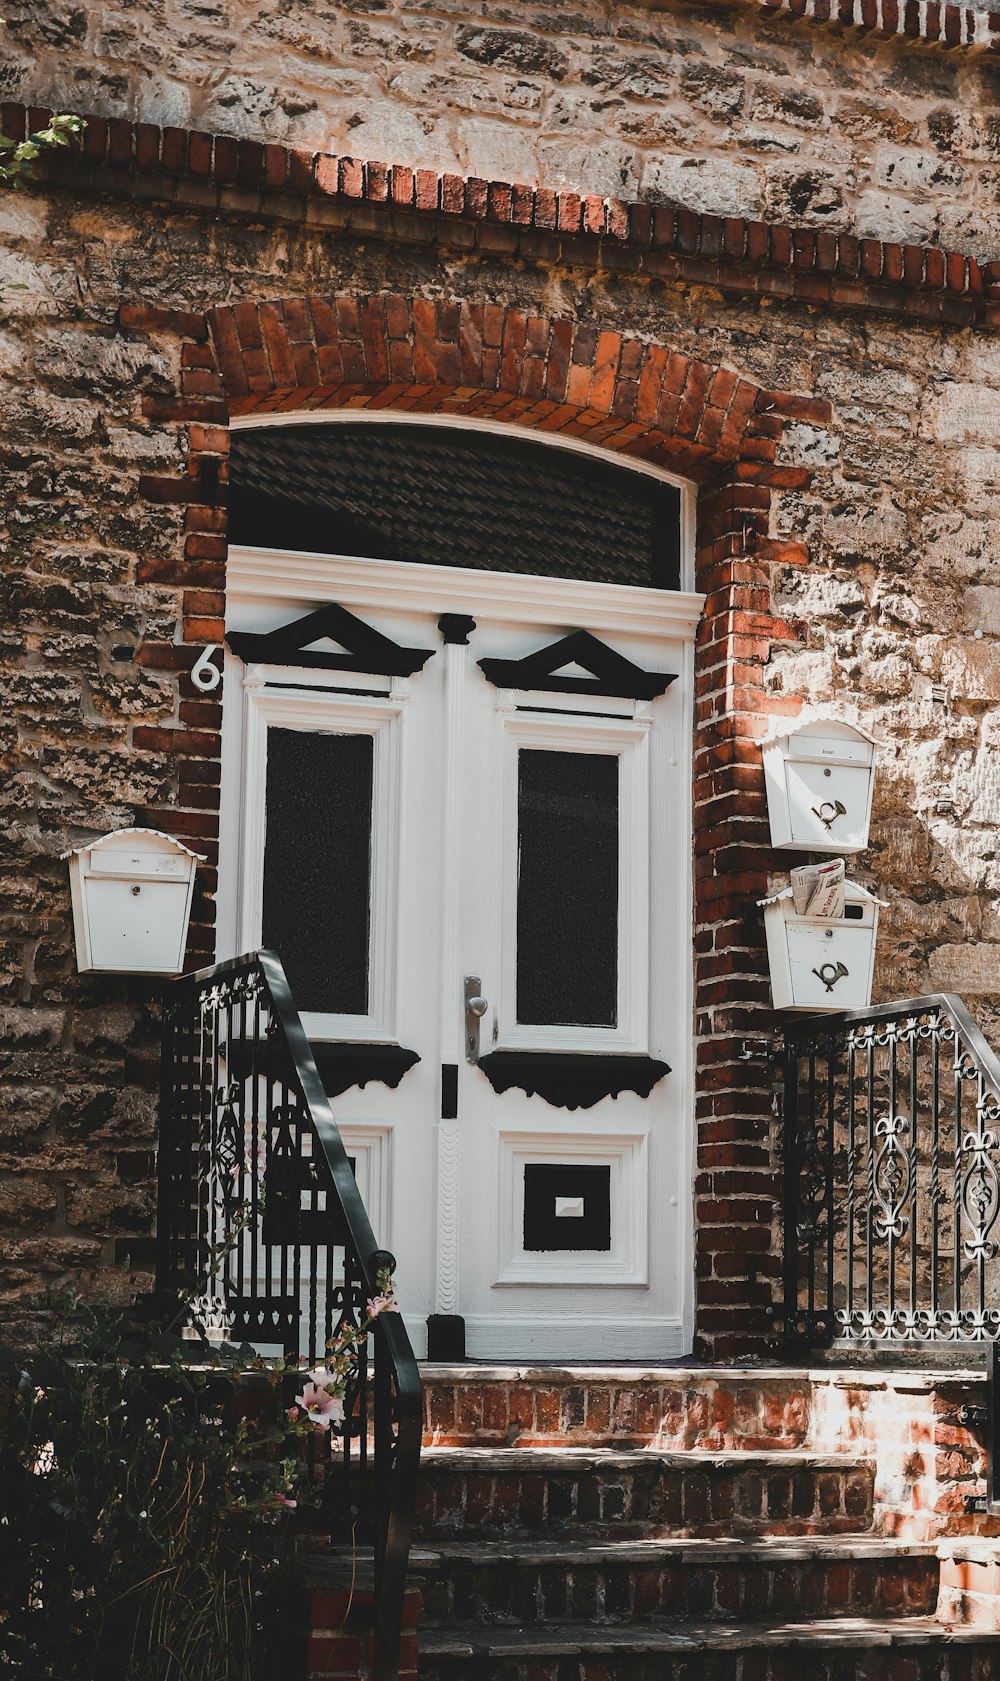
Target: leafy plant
[(18, 157), (145, 1521)]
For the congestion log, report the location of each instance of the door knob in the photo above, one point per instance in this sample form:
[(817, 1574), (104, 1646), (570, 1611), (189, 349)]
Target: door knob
[(476, 1007)]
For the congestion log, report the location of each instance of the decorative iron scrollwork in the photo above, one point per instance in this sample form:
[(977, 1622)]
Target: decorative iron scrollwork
[(891, 1178), (892, 1164), (261, 1224)]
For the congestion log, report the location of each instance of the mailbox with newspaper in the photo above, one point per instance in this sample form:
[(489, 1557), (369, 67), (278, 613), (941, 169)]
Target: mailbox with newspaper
[(821, 940)]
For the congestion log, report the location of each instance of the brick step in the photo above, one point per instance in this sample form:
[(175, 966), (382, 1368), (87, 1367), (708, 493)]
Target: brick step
[(751, 1408), (621, 1581), (848, 1649), (912, 1422), (502, 1491)]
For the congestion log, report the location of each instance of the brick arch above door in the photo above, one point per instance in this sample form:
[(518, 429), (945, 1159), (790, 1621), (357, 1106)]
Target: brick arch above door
[(646, 401), (434, 355)]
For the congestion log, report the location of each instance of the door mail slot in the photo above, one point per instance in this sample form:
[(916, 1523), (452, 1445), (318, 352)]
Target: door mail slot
[(818, 962), (819, 776), (132, 895)]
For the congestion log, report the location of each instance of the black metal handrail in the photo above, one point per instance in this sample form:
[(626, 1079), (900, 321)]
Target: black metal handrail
[(891, 1177), (249, 1144)]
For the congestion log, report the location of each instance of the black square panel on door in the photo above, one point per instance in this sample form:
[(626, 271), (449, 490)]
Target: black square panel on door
[(544, 1228)]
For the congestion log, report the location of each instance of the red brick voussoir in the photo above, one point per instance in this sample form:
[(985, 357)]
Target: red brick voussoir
[(458, 358), (218, 173)]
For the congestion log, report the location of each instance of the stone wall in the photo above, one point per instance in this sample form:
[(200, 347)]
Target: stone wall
[(716, 106), (898, 519), (875, 497)]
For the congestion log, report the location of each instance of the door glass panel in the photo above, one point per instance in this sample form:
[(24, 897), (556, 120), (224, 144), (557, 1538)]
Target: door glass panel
[(317, 866), (567, 889)]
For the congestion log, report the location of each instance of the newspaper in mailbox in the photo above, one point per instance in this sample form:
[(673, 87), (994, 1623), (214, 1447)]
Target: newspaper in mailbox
[(818, 889)]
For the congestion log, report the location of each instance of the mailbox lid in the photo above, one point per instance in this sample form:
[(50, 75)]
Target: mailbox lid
[(830, 749), (139, 865), (143, 932)]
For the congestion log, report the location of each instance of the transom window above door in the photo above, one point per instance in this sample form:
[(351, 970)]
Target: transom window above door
[(454, 496)]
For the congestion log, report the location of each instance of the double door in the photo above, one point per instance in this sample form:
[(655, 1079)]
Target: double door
[(475, 867)]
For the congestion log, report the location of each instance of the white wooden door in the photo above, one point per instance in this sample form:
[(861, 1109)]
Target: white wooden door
[(401, 838)]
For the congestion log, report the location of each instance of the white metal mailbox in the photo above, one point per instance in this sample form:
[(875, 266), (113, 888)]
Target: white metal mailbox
[(822, 962), (819, 775), (132, 895)]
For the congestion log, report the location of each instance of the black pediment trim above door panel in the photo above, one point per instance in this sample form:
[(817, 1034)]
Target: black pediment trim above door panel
[(366, 649), (612, 673), (342, 1065), (572, 1080)]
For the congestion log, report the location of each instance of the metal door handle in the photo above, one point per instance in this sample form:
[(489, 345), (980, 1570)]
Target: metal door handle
[(476, 1007)]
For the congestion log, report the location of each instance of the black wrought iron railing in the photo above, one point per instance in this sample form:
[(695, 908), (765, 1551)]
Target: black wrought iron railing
[(891, 1187), (249, 1146)]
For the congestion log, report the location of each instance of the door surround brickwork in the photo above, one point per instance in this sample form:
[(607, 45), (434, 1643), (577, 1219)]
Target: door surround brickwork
[(641, 401)]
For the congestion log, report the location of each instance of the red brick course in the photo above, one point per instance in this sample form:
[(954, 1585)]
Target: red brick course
[(215, 173)]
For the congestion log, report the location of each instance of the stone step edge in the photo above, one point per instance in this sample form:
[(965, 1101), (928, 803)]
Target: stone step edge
[(477, 1457), (700, 1550), (570, 1640), (467, 1375)]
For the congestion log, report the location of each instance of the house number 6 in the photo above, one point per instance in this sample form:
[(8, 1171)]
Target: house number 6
[(204, 675)]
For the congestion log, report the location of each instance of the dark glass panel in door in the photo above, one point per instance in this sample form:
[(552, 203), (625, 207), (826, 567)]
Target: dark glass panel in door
[(567, 889), (317, 866)]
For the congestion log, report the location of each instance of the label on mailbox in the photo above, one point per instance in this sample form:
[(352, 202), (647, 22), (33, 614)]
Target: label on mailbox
[(151, 866)]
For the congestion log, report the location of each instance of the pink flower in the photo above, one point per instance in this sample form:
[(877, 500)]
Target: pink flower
[(321, 1407), (292, 1414), (283, 1500), (382, 1304)]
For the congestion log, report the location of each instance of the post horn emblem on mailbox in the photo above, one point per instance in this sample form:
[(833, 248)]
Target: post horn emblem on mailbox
[(829, 811)]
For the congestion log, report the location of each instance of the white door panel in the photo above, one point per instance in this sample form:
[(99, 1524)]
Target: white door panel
[(555, 1231)]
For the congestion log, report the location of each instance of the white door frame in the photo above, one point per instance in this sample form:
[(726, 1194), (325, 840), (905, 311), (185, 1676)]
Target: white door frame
[(263, 580)]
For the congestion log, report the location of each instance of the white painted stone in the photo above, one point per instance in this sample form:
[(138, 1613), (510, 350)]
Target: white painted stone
[(168, 104), (809, 445), (497, 150), (895, 219), (981, 606), (23, 215), (966, 411), (63, 353), (980, 468), (578, 167), (32, 288), (816, 595), (714, 186), (912, 168), (124, 444), (970, 967)]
